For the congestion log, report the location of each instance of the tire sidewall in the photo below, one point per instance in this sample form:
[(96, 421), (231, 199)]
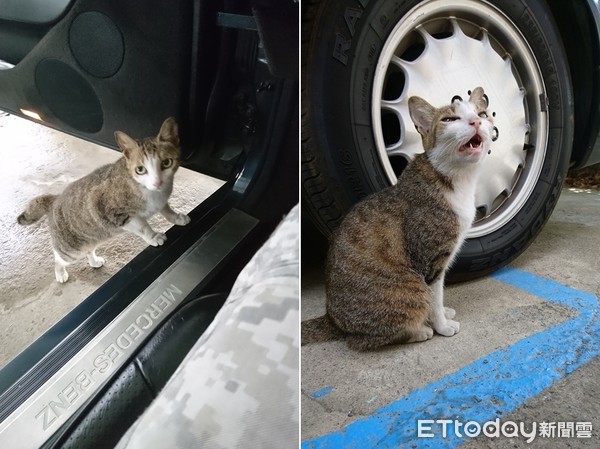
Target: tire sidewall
[(341, 80), (348, 42)]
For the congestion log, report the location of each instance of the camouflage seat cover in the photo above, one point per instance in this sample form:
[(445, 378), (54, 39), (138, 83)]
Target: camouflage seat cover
[(238, 386)]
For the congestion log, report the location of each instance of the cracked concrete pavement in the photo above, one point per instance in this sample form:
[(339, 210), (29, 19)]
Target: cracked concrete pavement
[(493, 315), (40, 160)]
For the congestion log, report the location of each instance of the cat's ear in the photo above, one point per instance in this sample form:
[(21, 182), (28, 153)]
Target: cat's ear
[(126, 143), (479, 99), (169, 132), (421, 113)]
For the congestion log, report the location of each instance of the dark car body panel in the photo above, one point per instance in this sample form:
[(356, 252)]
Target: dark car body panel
[(579, 26)]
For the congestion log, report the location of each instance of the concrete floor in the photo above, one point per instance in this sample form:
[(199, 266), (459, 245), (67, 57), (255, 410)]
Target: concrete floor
[(345, 393), (37, 160)]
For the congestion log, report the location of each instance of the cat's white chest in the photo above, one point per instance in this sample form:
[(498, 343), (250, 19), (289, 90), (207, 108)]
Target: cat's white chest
[(462, 201), (155, 201)]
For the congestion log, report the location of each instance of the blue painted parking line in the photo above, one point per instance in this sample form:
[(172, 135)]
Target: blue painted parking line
[(322, 392), (489, 388)]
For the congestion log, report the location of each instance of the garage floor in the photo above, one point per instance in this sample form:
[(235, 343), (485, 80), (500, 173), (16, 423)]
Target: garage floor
[(37, 160)]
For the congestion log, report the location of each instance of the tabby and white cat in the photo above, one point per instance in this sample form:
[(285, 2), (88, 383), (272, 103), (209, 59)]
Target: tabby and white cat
[(114, 198), (388, 258)]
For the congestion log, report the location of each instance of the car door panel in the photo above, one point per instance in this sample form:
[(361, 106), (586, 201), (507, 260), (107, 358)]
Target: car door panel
[(33, 11), (106, 64)]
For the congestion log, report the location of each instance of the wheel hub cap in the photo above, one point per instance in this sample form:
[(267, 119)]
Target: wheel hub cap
[(438, 51)]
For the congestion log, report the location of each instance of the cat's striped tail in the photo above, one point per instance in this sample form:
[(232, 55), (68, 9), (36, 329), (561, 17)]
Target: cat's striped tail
[(320, 329), (36, 209)]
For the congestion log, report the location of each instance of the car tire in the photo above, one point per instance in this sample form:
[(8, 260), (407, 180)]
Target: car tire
[(347, 133)]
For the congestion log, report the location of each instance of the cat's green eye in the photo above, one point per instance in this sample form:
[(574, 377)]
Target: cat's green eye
[(140, 170), (483, 114), (166, 163), (450, 119)]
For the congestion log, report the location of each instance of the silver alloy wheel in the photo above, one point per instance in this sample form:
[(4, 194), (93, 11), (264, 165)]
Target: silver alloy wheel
[(441, 49)]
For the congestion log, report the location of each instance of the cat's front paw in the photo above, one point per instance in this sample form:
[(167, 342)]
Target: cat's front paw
[(448, 329), (181, 220), (449, 313), (158, 239), (61, 275), (96, 262)]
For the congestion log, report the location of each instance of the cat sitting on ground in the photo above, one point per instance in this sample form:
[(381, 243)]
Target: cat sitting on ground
[(388, 258), (113, 198)]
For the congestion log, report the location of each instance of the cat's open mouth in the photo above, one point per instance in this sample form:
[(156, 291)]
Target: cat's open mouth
[(473, 146)]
